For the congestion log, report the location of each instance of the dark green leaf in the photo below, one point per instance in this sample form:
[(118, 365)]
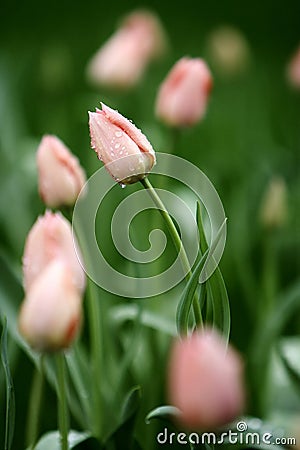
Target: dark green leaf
[(10, 395), (123, 436), (77, 440), (185, 304), (292, 371), (166, 412)]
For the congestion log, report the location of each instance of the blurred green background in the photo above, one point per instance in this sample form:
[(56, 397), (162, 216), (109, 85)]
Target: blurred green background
[(251, 131)]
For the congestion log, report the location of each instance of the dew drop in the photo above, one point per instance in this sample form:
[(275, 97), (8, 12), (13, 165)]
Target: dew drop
[(123, 185), (117, 145), (118, 133)]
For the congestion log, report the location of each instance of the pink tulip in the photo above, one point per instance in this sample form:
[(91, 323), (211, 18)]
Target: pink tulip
[(183, 96), (50, 315), (122, 61), (61, 177), (51, 238), (205, 381), (293, 70), (126, 152)]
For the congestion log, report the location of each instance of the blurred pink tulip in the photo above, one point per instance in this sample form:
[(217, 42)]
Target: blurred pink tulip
[(293, 70), (205, 381), (123, 59), (126, 152), (50, 315), (183, 96), (51, 238), (61, 177)]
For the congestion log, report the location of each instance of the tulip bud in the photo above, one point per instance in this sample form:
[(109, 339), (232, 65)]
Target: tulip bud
[(183, 96), (126, 152), (205, 381), (273, 212), (293, 70), (228, 50), (61, 177), (51, 238), (122, 61), (50, 315)]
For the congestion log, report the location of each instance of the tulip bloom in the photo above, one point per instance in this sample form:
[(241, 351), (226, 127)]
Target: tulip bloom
[(183, 96), (61, 177), (51, 238), (50, 315), (205, 381), (126, 152), (123, 59)]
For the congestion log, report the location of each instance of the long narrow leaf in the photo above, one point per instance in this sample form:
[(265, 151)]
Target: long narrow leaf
[(185, 304), (10, 395), (217, 306)]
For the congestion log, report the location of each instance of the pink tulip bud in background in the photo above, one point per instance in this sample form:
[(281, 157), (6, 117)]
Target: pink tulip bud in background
[(183, 96), (205, 381), (51, 238), (274, 205), (61, 177), (122, 61), (228, 50), (50, 315), (293, 70), (126, 152)]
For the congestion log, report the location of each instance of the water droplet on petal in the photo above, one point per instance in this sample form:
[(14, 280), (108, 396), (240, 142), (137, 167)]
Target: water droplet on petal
[(117, 145), (123, 185), (118, 133)]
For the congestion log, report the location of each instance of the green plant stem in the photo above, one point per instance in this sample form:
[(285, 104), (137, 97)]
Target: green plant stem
[(261, 359), (96, 349), (96, 338), (177, 242), (35, 402), (63, 413)]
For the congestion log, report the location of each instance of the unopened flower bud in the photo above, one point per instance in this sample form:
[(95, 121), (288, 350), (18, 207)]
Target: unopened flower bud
[(61, 177), (293, 70), (123, 59), (50, 315), (183, 96), (205, 381), (273, 211), (51, 238), (228, 50), (126, 152)]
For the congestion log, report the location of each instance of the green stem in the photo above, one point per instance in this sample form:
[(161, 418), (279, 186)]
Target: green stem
[(96, 337), (63, 413), (35, 402), (177, 242), (96, 349)]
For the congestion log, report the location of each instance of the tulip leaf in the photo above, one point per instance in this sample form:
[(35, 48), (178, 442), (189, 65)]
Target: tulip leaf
[(10, 394), (123, 436), (217, 302), (166, 413), (77, 440), (123, 313), (292, 371), (185, 304)]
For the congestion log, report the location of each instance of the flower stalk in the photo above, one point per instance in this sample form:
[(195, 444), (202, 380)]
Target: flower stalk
[(177, 243), (63, 413), (35, 402)]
